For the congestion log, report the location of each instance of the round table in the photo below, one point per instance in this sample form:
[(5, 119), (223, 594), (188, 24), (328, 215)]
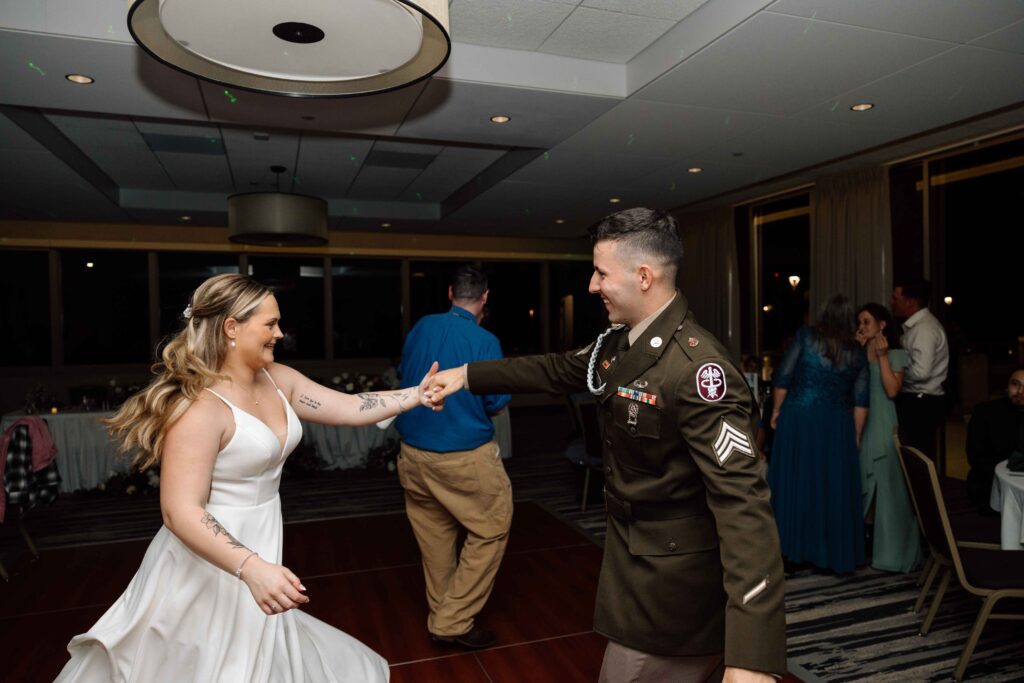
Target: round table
[(1008, 500)]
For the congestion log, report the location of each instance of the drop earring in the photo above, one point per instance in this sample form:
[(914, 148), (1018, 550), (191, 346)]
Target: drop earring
[(232, 342)]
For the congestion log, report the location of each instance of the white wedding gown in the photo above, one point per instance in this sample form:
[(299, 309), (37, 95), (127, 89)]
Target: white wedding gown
[(183, 619)]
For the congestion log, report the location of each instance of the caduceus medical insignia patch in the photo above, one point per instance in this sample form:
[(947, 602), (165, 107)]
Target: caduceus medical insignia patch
[(711, 382)]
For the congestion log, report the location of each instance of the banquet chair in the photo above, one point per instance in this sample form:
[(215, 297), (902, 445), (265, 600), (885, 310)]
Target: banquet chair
[(971, 528), (585, 451), (985, 571)]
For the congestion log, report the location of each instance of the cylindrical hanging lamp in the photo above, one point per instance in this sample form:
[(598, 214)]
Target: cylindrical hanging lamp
[(277, 219), (316, 48)]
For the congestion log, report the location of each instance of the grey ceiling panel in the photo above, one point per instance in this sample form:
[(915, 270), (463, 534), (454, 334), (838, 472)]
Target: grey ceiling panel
[(128, 82), (117, 147), (520, 25), (102, 19), (381, 183), (459, 111), (452, 169), (328, 165), (958, 84), (778, 64), (658, 9), (251, 158), (569, 168), (662, 130), (604, 36), (373, 115), (38, 185), (1010, 39), (951, 20)]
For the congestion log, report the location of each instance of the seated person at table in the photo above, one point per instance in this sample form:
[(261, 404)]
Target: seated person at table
[(211, 600), (995, 431)]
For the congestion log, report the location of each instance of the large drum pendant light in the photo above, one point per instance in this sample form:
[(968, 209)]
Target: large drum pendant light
[(277, 219), (313, 48)]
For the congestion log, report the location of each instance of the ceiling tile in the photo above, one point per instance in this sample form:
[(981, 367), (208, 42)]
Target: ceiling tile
[(116, 146), (657, 9), (1010, 39), (251, 158), (952, 20), (128, 82), (520, 25), (459, 111), (328, 165), (776, 64), (382, 183), (569, 168), (657, 129), (958, 84), (453, 168), (604, 36), (373, 114)]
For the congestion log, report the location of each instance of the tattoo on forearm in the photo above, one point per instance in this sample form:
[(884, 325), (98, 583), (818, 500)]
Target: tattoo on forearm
[(370, 401), (211, 523), (309, 402)]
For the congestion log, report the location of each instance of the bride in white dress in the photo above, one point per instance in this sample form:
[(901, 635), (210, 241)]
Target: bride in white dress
[(211, 601)]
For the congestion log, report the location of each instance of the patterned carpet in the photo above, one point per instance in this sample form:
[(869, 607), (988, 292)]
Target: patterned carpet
[(853, 628)]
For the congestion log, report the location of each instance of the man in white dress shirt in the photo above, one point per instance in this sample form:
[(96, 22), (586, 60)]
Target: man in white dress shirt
[(921, 406)]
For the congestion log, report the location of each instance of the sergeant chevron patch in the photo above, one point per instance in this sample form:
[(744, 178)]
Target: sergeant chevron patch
[(731, 440)]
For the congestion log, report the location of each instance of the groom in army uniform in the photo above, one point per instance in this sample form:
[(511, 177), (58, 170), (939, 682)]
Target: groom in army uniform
[(691, 585)]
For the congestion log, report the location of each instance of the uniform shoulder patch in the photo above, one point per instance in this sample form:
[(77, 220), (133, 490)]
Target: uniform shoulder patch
[(711, 385)]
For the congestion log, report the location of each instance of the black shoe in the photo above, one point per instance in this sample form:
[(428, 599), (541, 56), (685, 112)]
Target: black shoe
[(476, 638)]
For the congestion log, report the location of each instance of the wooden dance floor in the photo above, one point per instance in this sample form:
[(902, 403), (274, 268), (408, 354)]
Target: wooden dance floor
[(363, 576)]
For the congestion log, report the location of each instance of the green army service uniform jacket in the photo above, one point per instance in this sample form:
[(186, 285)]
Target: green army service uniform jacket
[(692, 564)]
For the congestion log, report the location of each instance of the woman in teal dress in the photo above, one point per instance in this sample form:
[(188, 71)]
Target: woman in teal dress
[(896, 545)]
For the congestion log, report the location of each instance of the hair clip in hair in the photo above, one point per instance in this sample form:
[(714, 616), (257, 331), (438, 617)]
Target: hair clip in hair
[(187, 313)]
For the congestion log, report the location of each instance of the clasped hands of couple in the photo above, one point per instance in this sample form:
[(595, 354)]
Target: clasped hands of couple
[(438, 385)]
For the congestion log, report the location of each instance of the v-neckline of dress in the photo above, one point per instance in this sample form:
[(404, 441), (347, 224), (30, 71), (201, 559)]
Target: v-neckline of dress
[(287, 422)]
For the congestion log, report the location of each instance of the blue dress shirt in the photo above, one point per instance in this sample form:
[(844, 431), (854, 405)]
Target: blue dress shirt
[(452, 339)]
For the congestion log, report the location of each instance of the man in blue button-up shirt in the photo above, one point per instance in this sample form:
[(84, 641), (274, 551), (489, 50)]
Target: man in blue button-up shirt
[(451, 469)]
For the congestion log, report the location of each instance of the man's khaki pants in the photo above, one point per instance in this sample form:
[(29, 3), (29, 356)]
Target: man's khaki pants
[(625, 665), (444, 491)]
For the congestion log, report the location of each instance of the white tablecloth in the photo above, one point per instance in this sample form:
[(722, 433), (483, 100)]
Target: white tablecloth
[(346, 447), (85, 455), (1008, 499)]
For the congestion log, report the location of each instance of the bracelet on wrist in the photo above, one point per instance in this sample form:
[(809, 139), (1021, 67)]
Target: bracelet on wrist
[(238, 572)]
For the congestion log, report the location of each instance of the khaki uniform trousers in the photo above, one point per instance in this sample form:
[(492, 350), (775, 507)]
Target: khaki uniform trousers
[(446, 491)]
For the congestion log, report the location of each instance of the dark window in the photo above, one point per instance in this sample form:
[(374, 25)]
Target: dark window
[(785, 253), (513, 306), (907, 213), (577, 316), (180, 274), (106, 306), (25, 292), (298, 284), (367, 298)]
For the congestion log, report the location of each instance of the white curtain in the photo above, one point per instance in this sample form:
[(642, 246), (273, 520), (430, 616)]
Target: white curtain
[(851, 239), (709, 277)]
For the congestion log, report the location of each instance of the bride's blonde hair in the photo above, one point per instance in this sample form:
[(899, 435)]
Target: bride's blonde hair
[(189, 362)]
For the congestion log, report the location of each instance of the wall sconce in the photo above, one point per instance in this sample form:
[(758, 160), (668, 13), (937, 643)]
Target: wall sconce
[(948, 300), (794, 280)]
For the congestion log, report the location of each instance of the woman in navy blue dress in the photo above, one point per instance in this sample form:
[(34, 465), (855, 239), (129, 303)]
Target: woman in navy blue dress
[(820, 407)]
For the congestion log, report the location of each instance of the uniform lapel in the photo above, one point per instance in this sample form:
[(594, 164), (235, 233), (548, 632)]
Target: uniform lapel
[(642, 355)]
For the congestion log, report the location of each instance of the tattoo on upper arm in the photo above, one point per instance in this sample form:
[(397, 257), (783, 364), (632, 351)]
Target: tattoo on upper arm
[(309, 402), (211, 523)]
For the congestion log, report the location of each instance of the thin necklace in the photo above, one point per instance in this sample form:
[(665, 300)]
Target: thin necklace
[(251, 394)]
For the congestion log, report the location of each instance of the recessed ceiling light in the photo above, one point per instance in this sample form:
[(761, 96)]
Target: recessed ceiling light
[(614, 200), (694, 169), (385, 225), (80, 79), (185, 218), (559, 220), (863, 106), (89, 264), (500, 118)]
